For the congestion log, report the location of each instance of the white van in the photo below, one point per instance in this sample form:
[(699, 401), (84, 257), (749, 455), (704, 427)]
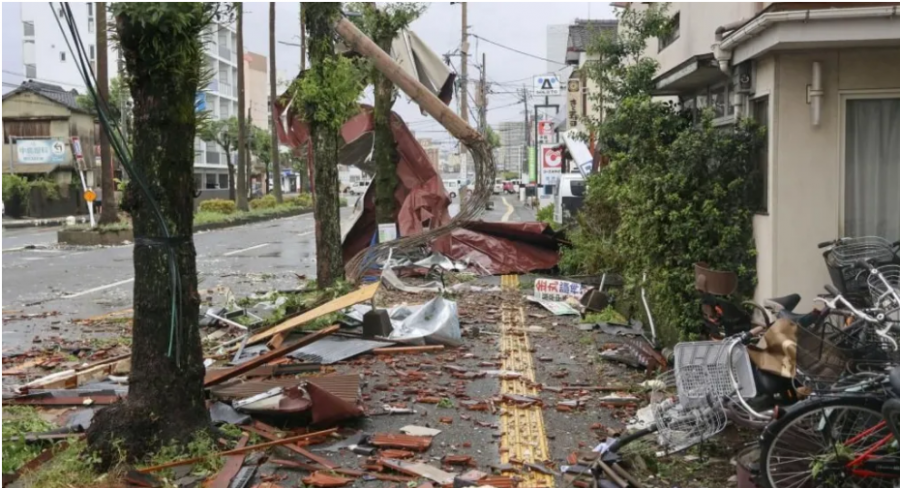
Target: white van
[(498, 186), (359, 187), (568, 196), (452, 187)]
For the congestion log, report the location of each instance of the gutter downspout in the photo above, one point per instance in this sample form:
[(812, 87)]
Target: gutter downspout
[(723, 48), (724, 57)]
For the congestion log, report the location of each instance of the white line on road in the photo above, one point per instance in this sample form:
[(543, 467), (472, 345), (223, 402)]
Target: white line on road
[(104, 287), (509, 210), (246, 249)]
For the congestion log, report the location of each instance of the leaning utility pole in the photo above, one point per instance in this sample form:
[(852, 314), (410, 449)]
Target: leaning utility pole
[(463, 88), (243, 170), (108, 207), (276, 165), (525, 168)]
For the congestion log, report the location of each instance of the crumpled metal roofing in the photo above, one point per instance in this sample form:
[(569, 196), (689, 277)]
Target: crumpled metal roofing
[(332, 349)]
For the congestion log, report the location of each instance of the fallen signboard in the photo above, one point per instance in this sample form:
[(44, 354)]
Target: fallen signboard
[(556, 308), (557, 290)]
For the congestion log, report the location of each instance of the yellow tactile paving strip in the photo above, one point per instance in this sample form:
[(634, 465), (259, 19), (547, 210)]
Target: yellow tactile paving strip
[(523, 434)]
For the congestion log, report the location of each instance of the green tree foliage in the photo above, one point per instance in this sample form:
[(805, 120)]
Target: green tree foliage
[(118, 95), (492, 137), (225, 134), (676, 191), (261, 147), (383, 25)]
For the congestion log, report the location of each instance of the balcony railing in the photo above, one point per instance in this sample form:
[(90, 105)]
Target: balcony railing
[(225, 53), (212, 157)]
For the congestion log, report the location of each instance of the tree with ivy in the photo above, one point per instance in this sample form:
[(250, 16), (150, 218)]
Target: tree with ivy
[(162, 46), (326, 95), (225, 134), (676, 191), (118, 95), (383, 26)]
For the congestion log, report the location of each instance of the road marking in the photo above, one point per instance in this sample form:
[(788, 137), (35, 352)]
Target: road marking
[(10, 249), (99, 288), (247, 249), (509, 210)]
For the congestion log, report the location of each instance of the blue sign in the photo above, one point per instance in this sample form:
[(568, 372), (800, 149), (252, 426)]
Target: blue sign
[(40, 151), (200, 101)]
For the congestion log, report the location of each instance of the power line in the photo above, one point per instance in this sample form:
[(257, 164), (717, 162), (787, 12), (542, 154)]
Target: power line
[(523, 53)]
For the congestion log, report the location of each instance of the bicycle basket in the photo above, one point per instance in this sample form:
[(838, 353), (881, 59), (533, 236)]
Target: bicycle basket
[(701, 368), (854, 250), (885, 296), (681, 426), (818, 359)]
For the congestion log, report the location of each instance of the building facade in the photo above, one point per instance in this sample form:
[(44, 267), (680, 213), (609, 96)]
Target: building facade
[(511, 156), (256, 88), (825, 81), (433, 151)]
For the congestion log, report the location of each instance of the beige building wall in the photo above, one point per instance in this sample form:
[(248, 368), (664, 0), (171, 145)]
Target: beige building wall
[(256, 88), (697, 28), (806, 162)]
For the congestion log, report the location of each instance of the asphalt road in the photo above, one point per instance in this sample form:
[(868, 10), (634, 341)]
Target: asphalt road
[(60, 283)]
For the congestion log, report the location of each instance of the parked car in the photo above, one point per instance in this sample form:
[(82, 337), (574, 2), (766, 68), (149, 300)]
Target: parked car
[(498, 186), (568, 196)]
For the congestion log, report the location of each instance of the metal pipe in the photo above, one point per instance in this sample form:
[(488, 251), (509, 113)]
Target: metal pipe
[(816, 94)]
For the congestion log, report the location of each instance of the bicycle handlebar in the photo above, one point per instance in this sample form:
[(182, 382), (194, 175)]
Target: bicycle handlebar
[(833, 291)]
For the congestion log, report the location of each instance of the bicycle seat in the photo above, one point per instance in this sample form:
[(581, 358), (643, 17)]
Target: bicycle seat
[(787, 302), (894, 377)]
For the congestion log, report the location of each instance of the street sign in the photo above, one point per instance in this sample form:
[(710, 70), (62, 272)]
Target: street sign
[(40, 151), (551, 164), (90, 196), (545, 128), (532, 165), (548, 84)]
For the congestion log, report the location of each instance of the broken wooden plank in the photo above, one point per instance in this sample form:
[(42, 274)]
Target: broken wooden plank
[(69, 401), (407, 350), (264, 445), (73, 379), (267, 434), (269, 356), (232, 466), (363, 294)]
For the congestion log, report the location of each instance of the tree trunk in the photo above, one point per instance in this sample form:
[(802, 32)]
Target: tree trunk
[(273, 94), (329, 256), (318, 18), (243, 172), (385, 151), (165, 400), (109, 210), (232, 195)]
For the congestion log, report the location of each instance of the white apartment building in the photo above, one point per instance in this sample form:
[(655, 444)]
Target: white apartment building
[(46, 58), (512, 146), (824, 78)]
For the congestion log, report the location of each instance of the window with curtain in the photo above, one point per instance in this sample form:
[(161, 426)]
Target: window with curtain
[(872, 165)]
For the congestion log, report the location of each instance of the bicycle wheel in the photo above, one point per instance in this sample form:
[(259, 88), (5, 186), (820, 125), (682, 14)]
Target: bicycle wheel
[(814, 443)]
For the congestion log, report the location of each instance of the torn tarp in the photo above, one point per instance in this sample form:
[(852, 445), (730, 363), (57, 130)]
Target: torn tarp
[(436, 322), (502, 247)]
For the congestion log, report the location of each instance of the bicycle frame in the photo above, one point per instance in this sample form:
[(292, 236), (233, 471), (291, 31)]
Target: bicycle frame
[(856, 465)]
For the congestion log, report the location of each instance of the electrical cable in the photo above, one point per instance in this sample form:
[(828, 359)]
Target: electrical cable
[(117, 141), (523, 53)]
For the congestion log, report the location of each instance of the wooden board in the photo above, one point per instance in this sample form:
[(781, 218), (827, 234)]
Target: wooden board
[(266, 358), (361, 295), (74, 379)]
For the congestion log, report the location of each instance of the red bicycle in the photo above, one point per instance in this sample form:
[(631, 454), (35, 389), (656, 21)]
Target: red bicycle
[(847, 440)]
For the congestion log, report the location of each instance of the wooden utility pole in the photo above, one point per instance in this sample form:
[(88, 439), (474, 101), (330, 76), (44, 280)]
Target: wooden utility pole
[(109, 208), (483, 94), (302, 40), (243, 169), (276, 165), (464, 87)]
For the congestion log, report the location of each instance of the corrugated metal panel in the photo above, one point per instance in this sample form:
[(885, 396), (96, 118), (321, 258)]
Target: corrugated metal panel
[(335, 348), (345, 387)]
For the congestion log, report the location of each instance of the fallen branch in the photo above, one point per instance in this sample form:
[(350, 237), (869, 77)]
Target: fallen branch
[(255, 447)]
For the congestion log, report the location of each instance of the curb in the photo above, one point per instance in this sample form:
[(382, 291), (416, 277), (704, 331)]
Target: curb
[(24, 224)]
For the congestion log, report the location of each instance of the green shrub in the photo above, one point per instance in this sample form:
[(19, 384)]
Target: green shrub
[(545, 215), (49, 188), (267, 201), (303, 200), (218, 205), (14, 187), (18, 421)]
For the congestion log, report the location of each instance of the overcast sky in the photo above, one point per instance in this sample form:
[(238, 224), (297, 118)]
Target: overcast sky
[(519, 25)]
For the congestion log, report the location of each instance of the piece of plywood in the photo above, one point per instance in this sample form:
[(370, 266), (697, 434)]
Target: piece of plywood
[(361, 295)]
